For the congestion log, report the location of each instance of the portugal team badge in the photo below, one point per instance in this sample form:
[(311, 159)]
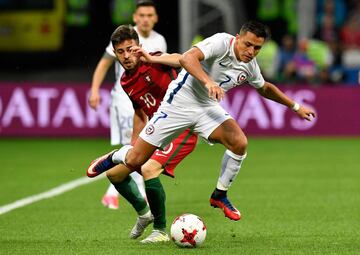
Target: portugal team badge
[(148, 79), (150, 129)]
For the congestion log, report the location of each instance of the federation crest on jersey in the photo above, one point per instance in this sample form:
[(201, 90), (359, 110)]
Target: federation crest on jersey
[(150, 129), (148, 79), (241, 77)]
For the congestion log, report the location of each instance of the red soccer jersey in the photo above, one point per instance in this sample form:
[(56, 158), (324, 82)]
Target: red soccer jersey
[(147, 86)]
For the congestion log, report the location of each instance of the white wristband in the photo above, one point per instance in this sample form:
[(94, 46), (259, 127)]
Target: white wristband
[(295, 107)]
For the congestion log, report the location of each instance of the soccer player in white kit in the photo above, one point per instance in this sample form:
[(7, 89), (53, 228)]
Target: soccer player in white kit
[(121, 109), (211, 68)]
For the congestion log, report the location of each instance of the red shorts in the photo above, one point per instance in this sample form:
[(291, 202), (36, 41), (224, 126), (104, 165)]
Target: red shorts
[(176, 151)]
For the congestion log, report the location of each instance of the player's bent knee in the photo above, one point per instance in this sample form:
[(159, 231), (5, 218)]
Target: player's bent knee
[(238, 146), (134, 160)]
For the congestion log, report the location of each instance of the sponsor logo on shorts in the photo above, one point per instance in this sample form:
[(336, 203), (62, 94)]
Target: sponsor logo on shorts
[(150, 129)]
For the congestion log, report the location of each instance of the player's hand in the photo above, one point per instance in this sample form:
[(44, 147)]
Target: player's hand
[(306, 113), (143, 54), (215, 92), (94, 99)]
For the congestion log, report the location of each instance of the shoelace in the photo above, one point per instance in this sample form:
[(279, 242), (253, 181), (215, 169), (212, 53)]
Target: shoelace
[(227, 203)]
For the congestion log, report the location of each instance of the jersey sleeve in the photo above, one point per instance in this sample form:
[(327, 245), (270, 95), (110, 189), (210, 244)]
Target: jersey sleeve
[(214, 46), (256, 79)]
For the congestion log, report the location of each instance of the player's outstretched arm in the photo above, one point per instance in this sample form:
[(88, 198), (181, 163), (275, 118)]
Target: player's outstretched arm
[(98, 77), (190, 60), (271, 92), (164, 59)]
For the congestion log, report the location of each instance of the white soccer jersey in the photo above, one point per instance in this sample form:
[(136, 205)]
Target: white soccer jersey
[(223, 67)]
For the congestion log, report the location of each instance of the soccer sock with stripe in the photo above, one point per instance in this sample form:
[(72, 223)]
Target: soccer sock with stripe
[(129, 190), (230, 167), (156, 197)]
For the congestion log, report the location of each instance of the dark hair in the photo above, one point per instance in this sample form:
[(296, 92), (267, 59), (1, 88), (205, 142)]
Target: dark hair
[(141, 3), (257, 28), (123, 33)]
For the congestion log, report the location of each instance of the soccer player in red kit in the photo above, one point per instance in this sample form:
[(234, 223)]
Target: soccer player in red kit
[(146, 84)]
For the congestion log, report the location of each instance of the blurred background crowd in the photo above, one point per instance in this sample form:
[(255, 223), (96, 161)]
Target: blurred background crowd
[(314, 42)]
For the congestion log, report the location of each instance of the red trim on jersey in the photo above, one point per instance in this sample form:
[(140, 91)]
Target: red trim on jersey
[(231, 40)]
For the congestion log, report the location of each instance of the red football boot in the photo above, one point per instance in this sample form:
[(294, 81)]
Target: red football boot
[(229, 210)]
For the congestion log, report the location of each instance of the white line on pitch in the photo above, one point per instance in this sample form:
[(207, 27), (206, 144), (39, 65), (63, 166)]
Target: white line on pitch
[(48, 194)]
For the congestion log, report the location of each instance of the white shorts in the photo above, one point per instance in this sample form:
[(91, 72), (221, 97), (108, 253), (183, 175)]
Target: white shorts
[(121, 117), (169, 121)]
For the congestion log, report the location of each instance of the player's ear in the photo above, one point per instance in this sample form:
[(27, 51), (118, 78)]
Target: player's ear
[(156, 19)]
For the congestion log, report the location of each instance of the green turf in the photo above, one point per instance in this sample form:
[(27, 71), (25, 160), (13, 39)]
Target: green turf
[(297, 196)]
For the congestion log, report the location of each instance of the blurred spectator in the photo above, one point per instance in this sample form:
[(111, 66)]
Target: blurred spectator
[(268, 60), (327, 30), (286, 54), (336, 70), (350, 32), (310, 63), (350, 40), (301, 67), (334, 8)]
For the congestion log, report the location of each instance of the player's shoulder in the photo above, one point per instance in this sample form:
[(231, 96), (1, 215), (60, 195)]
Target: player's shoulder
[(223, 39), (157, 35), (224, 36)]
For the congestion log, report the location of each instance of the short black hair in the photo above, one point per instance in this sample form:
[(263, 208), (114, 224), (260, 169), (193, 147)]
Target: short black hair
[(141, 3), (123, 33), (257, 28)]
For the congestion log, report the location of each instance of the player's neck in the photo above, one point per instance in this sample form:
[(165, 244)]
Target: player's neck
[(144, 34), (134, 70)]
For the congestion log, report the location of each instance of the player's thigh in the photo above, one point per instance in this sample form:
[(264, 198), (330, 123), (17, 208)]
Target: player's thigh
[(231, 136), (208, 120), (176, 151)]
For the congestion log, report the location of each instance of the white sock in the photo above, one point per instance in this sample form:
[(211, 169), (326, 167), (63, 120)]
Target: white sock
[(119, 156), (140, 182), (230, 167), (111, 191)]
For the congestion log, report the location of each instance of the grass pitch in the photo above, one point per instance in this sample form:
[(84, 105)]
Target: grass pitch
[(296, 195)]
